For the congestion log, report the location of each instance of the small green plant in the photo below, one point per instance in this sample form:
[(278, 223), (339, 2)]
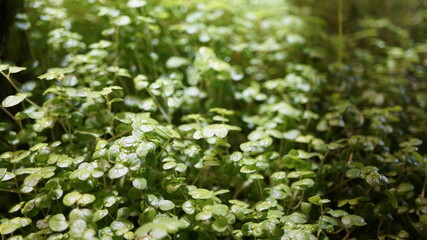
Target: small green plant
[(211, 120)]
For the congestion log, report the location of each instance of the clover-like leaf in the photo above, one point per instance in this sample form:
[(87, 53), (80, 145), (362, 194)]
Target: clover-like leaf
[(300, 235), (220, 225), (188, 207), (117, 171), (201, 193), (86, 199), (71, 198), (56, 73), (99, 214), (166, 205), (139, 183), (9, 226), (338, 213), (58, 223), (204, 215), (217, 209), (302, 184), (405, 188)]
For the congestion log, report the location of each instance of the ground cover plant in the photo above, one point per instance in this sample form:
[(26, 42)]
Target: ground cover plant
[(179, 119)]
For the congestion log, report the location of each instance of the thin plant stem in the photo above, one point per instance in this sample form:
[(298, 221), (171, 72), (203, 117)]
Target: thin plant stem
[(162, 110), (11, 116), (319, 230), (10, 80)]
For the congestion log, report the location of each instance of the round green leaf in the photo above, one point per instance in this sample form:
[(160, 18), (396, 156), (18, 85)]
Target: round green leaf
[(86, 199), (139, 183), (205, 215), (58, 223), (119, 224), (338, 213), (122, 21), (302, 184), (300, 235), (220, 225), (99, 214), (188, 207), (181, 167), (169, 165), (219, 209), (405, 187), (71, 198), (117, 171), (166, 205), (201, 193)]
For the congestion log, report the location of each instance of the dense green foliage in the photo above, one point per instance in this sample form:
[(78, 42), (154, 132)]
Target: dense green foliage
[(240, 119)]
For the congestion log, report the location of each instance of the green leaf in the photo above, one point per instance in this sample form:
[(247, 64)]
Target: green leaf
[(117, 171), (169, 165), (3, 172), (220, 225), (136, 3), (176, 62), (302, 184), (13, 100), (166, 205), (236, 156), (201, 193), (314, 200), (298, 217), (58, 223), (3, 67), (188, 207), (292, 134), (16, 69), (376, 179), (338, 213), (204, 215), (56, 73), (301, 174), (219, 209), (181, 167), (71, 198), (86, 199), (99, 214), (300, 235), (9, 226), (353, 220), (139, 183), (119, 224), (16, 207), (122, 20), (391, 199), (353, 173), (214, 130), (405, 188), (248, 146)]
